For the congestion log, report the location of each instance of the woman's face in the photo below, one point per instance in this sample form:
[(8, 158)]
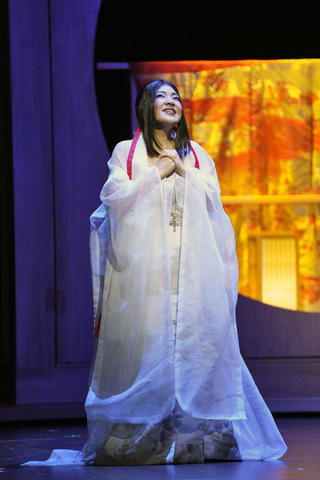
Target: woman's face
[(167, 106)]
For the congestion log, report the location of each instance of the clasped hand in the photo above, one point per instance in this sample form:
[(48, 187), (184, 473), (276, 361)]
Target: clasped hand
[(170, 161)]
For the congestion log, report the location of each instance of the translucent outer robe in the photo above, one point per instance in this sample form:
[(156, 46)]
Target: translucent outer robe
[(137, 374)]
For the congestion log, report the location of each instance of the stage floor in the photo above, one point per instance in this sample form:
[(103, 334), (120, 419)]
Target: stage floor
[(35, 441)]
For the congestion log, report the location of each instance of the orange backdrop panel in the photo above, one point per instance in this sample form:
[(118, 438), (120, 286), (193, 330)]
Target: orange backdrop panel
[(260, 122)]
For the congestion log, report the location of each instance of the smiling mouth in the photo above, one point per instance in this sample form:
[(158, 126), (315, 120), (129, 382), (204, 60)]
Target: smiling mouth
[(170, 111)]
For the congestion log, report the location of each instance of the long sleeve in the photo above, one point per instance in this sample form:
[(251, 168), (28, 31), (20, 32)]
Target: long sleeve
[(204, 180), (205, 185), (121, 193)]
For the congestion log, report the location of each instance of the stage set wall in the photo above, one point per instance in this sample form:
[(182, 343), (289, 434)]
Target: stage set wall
[(59, 166), (59, 156)]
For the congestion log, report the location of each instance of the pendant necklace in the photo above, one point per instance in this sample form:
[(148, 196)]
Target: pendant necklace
[(174, 214)]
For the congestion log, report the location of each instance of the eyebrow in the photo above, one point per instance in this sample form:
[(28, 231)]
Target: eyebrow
[(173, 93)]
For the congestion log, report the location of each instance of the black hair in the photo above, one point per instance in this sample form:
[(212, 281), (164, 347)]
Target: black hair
[(145, 116)]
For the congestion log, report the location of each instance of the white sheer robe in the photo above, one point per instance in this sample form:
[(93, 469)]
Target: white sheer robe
[(138, 373), (136, 338), (145, 374)]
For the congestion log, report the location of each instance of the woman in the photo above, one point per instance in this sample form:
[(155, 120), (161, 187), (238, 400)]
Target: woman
[(168, 383)]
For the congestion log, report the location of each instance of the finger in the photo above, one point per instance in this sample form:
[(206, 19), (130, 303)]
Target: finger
[(172, 151), (165, 157), (168, 155), (172, 154)]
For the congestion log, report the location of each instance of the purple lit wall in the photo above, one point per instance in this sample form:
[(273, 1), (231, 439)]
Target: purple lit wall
[(59, 156)]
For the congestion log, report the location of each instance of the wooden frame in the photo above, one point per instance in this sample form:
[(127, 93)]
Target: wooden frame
[(257, 238)]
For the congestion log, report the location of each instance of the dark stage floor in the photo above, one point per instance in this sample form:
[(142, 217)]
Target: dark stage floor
[(22, 442)]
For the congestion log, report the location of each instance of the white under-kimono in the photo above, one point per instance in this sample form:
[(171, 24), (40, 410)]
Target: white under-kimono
[(161, 348)]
